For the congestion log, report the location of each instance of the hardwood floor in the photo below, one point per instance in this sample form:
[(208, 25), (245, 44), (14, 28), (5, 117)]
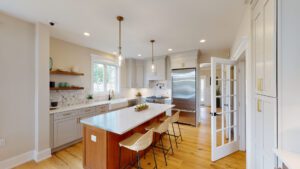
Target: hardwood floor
[(192, 153)]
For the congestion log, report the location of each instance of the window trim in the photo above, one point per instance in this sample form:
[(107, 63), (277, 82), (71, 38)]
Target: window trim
[(106, 62)]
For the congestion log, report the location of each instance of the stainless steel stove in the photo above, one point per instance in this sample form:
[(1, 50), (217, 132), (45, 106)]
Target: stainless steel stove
[(155, 99)]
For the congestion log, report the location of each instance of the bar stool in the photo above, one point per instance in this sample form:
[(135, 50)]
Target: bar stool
[(174, 119), (162, 128), (138, 142)]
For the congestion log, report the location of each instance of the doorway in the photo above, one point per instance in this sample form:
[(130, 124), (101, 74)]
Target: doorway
[(237, 101)]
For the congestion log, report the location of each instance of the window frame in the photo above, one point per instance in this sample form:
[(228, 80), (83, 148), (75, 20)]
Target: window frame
[(106, 62)]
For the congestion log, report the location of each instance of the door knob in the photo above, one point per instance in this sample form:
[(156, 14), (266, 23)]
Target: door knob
[(215, 114)]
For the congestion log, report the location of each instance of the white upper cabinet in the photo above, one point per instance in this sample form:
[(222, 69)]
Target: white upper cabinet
[(134, 73), (184, 60), (264, 46), (159, 72), (139, 73)]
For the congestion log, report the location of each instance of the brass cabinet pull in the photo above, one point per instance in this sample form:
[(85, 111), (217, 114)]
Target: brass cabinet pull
[(260, 84), (258, 105), (67, 114)]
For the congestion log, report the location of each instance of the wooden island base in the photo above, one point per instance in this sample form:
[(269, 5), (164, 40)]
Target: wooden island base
[(101, 147)]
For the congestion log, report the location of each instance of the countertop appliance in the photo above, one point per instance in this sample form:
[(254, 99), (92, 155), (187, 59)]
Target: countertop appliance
[(184, 94)]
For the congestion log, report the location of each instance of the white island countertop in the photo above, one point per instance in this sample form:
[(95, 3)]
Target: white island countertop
[(124, 120)]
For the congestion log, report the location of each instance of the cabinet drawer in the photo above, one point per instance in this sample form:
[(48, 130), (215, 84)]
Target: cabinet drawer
[(65, 115), (88, 110), (102, 109)]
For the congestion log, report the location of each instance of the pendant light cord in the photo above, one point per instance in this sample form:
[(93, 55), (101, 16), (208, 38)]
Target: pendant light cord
[(152, 54), (120, 48), (152, 41), (120, 19)]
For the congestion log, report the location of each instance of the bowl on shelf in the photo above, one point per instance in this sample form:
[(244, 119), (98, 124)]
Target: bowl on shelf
[(54, 104)]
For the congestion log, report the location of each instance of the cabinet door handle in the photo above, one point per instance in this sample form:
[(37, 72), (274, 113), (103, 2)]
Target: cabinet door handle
[(258, 105), (260, 84), (67, 114)]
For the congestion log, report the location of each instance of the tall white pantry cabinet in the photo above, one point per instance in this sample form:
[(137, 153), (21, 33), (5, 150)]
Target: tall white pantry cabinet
[(264, 40)]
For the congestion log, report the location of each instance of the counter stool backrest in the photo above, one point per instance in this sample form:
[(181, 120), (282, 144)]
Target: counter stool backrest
[(175, 117), (164, 126), (143, 142)]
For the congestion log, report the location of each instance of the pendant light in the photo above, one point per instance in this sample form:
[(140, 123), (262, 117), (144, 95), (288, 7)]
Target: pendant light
[(120, 19), (152, 66)]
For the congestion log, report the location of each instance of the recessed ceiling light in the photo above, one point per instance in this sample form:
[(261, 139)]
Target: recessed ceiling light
[(139, 55), (170, 50), (86, 34), (202, 41)]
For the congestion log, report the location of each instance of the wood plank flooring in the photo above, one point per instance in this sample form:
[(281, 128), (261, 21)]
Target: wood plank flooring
[(192, 153)]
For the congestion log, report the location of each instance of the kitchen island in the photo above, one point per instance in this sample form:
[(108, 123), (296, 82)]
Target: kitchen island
[(102, 134)]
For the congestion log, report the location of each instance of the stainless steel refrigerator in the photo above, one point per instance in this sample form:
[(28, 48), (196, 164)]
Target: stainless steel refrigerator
[(184, 94)]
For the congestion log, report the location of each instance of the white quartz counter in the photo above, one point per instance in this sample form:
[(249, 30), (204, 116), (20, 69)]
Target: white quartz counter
[(80, 106), (291, 160), (124, 120)]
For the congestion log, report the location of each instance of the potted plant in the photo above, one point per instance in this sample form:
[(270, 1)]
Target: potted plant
[(139, 97), (89, 98)]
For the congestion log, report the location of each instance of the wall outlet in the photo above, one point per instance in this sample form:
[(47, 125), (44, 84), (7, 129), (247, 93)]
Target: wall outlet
[(2, 142), (93, 138)]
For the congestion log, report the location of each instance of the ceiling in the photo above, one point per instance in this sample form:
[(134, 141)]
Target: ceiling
[(176, 24)]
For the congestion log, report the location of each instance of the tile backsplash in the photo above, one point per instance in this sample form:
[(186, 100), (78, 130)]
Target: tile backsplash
[(68, 98)]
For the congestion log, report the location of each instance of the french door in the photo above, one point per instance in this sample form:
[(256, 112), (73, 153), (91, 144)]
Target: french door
[(224, 108)]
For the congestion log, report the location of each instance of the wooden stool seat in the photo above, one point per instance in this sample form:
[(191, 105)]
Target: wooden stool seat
[(161, 129), (174, 119), (163, 118), (130, 141), (154, 126), (137, 142)]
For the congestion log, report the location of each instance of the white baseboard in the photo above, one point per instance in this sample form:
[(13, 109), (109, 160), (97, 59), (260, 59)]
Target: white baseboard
[(25, 157), (17, 160), (42, 155)]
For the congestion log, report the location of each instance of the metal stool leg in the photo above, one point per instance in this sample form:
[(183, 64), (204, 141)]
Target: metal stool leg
[(174, 135), (170, 141), (179, 131), (138, 160), (163, 149), (154, 157)]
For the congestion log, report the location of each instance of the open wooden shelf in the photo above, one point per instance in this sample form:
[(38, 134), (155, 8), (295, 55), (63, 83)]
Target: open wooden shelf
[(60, 72), (67, 88)]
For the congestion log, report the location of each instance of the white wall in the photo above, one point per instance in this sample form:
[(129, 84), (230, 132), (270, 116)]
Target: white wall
[(66, 55), (289, 71), (17, 86), (243, 32), (240, 47), (207, 93), (205, 55), (42, 126)]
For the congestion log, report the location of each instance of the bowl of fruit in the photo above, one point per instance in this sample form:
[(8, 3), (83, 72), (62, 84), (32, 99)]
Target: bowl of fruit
[(141, 107)]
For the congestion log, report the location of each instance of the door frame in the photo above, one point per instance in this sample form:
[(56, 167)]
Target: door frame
[(241, 76), (244, 46)]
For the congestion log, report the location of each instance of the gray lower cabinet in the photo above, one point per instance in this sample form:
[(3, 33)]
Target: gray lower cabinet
[(66, 127), (63, 127), (65, 131)]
